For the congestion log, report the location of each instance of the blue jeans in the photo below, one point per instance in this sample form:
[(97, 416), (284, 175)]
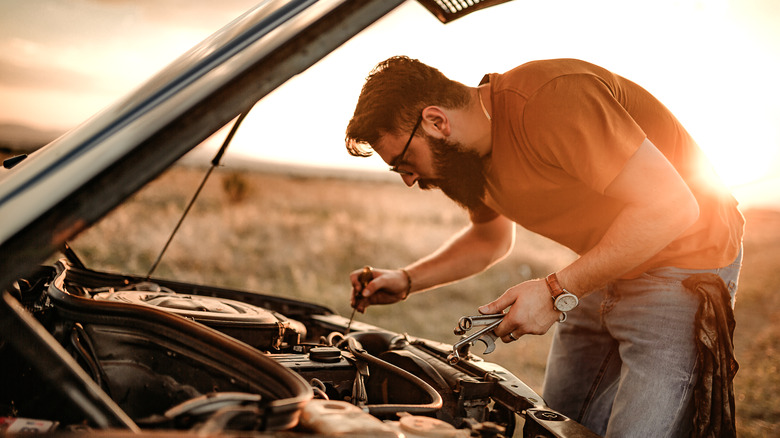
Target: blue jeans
[(623, 364)]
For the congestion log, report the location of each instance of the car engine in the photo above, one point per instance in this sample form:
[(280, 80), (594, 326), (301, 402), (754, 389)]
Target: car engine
[(181, 357)]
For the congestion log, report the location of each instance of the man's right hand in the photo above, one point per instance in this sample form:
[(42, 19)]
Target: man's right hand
[(386, 286)]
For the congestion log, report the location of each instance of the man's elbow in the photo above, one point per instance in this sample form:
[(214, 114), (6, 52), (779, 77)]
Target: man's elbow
[(496, 240), (686, 211), (504, 244), (694, 212)]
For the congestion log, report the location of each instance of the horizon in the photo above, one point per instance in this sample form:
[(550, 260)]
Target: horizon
[(757, 194), (61, 63)]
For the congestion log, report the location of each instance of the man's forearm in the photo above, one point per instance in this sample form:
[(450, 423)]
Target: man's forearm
[(637, 234), (658, 208), (469, 252)]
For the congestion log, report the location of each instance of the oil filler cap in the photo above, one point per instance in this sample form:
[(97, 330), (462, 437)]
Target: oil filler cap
[(325, 354)]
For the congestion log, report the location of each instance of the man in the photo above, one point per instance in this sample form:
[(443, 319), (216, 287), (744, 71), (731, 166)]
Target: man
[(591, 160)]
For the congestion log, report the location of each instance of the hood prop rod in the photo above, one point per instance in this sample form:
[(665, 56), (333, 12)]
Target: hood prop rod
[(215, 162)]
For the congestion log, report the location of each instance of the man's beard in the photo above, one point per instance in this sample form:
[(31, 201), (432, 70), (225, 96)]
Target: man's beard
[(461, 174)]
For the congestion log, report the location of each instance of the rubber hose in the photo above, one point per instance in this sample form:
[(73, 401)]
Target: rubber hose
[(384, 409)]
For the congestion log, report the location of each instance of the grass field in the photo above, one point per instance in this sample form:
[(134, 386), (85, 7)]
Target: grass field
[(300, 237)]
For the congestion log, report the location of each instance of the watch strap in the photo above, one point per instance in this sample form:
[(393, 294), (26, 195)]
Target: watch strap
[(555, 291), (554, 286)]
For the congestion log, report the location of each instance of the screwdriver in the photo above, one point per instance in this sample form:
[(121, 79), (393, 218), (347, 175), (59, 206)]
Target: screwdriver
[(364, 278)]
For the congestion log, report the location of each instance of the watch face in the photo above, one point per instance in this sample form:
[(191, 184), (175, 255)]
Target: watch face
[(566, 302)]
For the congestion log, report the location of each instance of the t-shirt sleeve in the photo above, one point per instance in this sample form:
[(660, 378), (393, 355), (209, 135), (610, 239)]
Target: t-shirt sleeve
[(577, 124)]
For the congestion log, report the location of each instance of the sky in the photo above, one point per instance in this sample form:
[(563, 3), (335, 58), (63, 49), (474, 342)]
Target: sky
[(714, 63)]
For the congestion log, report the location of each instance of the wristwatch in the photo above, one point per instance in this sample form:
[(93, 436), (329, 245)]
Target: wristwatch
[(563, 300)]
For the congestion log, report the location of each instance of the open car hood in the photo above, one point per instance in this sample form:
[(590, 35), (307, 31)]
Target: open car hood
[(70, 183)]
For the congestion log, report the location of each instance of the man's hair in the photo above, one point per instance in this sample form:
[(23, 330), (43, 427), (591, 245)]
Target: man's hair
[(393, 97)]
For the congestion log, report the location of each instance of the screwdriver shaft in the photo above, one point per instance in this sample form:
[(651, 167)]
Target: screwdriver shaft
[(364, 278)]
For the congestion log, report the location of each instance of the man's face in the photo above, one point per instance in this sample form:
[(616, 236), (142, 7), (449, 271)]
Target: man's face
[(459, 172)]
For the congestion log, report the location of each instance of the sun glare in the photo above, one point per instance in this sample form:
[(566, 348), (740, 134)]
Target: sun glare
[(748, 160), (739, 138)]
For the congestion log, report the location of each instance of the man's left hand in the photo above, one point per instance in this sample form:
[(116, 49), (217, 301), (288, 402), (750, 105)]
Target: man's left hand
[(532, 310)]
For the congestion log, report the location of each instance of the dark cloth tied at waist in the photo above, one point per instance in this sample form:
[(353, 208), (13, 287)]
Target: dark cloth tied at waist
[(713, 395)]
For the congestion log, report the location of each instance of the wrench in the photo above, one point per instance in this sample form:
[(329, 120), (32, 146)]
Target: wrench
[(466, 322), (485, 334)]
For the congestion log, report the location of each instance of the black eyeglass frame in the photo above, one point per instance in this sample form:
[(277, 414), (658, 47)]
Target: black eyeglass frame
[(399, 159)]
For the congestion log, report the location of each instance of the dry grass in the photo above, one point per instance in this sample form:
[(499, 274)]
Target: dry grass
[(300, 238), (757, 336)]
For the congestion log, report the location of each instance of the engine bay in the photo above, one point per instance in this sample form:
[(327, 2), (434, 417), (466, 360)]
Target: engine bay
[(157, 355)]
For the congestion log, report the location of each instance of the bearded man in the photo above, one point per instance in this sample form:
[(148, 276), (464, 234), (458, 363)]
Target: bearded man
[(594, 162)]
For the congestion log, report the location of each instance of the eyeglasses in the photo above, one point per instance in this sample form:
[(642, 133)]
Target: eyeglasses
[(399, 159)]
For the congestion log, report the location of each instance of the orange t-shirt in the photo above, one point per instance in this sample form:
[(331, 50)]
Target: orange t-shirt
[(563, 130)]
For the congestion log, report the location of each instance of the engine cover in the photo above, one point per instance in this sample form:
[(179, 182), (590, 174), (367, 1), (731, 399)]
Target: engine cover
[(258, 327)]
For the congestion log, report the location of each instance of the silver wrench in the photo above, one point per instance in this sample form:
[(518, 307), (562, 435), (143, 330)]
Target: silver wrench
[(465, 323), (485, 334)]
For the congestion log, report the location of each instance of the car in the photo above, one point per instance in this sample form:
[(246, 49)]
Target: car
[(85, 351)]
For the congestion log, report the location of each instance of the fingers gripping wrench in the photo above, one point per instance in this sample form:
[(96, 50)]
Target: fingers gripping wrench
[(484, 334)]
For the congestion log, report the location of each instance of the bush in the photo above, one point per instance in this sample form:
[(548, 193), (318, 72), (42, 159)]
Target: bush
[(235, 187)]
